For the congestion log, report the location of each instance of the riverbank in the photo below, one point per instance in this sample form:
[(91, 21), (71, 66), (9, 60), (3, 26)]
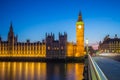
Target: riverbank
[(42, 59)]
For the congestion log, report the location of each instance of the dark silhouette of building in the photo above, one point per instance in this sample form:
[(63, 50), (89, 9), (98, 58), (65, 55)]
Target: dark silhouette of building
[(56, 48)]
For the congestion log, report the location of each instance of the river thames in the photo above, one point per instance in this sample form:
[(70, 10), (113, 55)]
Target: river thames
[(40, 71)]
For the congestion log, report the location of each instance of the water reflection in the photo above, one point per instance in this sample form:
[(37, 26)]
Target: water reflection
[(40, 71)]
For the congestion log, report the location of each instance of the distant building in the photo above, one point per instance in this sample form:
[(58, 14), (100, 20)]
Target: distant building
[(110, 45), (49, 48)]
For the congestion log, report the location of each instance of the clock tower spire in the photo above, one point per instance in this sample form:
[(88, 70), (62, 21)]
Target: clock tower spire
[(80, 17), (80, 36)]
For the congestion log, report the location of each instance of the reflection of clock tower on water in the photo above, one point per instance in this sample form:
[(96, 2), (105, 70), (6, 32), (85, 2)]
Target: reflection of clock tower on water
[(80, 36)]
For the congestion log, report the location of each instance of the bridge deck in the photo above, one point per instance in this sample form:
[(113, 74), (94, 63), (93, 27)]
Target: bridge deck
[(110, 67)]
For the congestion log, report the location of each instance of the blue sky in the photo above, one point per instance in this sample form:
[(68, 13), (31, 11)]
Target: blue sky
[(33, 18)]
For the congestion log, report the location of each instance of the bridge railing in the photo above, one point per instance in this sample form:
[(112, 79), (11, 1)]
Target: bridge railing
[(94, 72)]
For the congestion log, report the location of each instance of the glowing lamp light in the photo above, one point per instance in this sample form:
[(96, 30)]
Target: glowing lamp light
[(86, 41), (87, 46)]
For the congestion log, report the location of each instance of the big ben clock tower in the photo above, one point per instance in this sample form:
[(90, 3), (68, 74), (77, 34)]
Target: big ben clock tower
[(80, 36)]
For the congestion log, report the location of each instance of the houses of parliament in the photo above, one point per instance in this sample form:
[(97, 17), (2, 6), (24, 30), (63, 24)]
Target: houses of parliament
[(49, 48)]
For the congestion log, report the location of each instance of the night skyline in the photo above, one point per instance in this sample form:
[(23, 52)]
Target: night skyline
[(32, 19)]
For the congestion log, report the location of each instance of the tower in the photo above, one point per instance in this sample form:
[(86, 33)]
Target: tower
[(80, 36), (11, 40), (49, 45), (11, 35), (63, 45)]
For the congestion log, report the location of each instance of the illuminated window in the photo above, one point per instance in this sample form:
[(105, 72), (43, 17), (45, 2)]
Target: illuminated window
[(48, 48), (62, 47)]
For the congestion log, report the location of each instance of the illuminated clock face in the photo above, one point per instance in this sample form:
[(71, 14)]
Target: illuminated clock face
[(79, 26)]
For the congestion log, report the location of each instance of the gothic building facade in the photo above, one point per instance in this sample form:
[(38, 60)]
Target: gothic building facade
[(49, 48), (12, 47), (110, 45), (56, 48)]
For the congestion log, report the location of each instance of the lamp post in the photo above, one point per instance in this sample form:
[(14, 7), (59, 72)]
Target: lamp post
[(87, 46)]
